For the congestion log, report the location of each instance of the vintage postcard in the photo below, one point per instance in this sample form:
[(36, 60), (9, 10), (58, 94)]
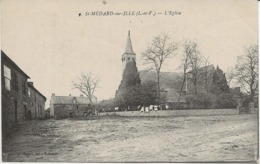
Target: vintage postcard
[(129, 81)]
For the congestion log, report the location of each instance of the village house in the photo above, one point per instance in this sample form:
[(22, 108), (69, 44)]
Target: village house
[(170, 98), (14, 93), (70, 106), (15, 99), (36, 103)]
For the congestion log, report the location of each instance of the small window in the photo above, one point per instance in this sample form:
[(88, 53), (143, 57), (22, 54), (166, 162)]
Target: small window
[(74, 100), (7, 76), (29, 92), (128, 58)]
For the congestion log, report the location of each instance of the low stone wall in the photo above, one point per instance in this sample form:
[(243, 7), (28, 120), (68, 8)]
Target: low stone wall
[(191, 112)]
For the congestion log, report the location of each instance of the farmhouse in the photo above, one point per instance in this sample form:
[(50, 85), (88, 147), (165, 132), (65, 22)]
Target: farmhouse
[(70, 106), (36, 104), (16, 99)]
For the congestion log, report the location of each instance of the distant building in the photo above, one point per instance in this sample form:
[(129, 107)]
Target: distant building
[(170, 97), (47, 113), (36, 104), (16, 95), (70, 106), (204, 80)]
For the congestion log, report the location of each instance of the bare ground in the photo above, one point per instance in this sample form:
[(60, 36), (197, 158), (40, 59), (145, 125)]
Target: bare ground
[(135, 139)]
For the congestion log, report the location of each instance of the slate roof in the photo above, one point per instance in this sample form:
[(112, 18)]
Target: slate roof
[(69, 100), (204, 69), (129, 48), (10, 61)]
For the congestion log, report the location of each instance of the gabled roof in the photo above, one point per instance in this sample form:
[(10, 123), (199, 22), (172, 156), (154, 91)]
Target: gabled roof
[(204, 69), (129, 48), (4, 57), (31, 86), (69, 100)]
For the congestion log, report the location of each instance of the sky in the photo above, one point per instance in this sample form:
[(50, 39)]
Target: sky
[(49, 41)]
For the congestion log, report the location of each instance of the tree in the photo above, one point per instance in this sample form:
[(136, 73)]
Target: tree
[(148, 93), (87, 84), (128, 92), (246, 71), (206, 72), (160, 49), (188, 49), (195, 60), (219, 81)]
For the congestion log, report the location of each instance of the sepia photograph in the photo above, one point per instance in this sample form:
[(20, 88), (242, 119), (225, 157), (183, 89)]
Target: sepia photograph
[(105, 81)]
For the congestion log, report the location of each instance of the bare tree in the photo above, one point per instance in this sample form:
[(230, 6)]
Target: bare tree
[(246, 71), (206, 72), (230, 75), (160, 49), (188, 49), (87, 85), (195, 60)]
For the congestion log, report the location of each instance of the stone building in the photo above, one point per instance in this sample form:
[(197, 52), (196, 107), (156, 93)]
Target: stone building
[(14, 93), (15, 99), (36, 103), (204, 80), (70, 106)]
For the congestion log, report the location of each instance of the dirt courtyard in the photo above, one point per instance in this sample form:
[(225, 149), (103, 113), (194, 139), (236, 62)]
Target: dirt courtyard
[(135, 139)]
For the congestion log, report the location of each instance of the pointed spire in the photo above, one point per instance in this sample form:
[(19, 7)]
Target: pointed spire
[(129, 48)]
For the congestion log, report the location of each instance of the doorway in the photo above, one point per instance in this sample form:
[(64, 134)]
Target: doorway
[(25, 112), (29, 115)]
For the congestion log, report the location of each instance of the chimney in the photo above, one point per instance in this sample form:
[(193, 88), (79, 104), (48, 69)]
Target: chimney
[(53, 94), (81, 95), (31, 83)]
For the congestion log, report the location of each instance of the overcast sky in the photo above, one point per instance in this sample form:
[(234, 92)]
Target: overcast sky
[(53, 45)]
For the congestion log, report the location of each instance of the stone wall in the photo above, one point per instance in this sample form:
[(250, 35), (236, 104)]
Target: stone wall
[(12, 97), (165, 113), (36, 104), (70, 110)]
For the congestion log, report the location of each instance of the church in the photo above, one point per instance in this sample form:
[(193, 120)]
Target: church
[(129, 54)]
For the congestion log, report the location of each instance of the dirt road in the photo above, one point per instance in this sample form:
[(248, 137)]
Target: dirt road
[(133, 139)]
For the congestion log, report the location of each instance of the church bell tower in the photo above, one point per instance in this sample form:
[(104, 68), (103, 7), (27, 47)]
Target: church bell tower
[(129, 54)]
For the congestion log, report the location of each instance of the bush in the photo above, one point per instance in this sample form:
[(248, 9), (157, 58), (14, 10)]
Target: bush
[(200, 101), (205, 101), (226, 100)]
